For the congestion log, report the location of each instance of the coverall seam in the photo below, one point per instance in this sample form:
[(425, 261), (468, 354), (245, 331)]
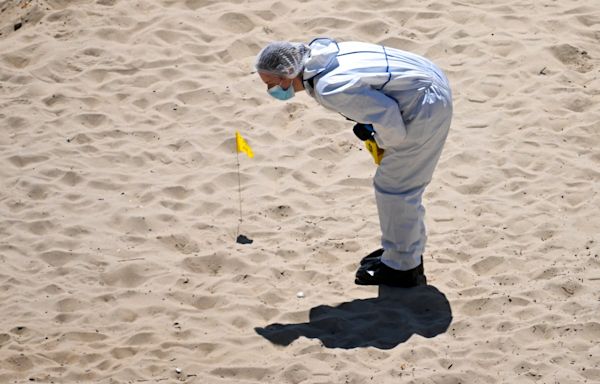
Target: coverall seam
[(354, 52), (387, 69)]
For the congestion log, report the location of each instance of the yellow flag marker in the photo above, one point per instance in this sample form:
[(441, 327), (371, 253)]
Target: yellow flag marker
[(242, 146)]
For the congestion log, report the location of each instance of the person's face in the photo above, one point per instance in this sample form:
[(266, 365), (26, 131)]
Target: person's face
[(273, 81)]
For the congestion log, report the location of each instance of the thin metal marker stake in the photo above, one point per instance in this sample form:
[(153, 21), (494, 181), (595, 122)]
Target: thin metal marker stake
[(240, 239), (237, 155)]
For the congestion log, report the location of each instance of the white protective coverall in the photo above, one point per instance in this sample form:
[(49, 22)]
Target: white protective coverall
[(408, 101)]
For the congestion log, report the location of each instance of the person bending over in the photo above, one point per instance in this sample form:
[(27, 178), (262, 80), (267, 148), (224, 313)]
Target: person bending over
[(397, 99)]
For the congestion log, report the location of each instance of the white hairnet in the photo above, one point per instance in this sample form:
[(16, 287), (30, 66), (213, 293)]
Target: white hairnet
[(282, 58)]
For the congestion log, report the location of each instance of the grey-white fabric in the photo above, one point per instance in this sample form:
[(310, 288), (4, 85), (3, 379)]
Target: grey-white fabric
[(408, 101)]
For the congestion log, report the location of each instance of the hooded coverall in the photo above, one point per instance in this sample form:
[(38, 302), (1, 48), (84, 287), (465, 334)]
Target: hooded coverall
[(408, 101)]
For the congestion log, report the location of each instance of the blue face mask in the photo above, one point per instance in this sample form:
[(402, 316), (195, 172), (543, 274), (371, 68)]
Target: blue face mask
[(280, 93)]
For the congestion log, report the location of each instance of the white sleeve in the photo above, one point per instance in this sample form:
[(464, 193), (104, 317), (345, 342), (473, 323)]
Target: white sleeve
[(352, 98)]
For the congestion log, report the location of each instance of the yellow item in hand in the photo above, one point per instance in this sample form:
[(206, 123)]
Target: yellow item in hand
[(374, 150)]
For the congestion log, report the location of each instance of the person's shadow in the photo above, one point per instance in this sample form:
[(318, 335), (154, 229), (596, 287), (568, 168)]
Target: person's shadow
[(382, 322)]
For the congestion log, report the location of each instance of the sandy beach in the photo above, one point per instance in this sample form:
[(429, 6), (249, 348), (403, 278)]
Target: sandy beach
[(119, 201)]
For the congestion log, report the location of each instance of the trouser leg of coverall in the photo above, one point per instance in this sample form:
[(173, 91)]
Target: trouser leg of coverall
[(401, 216), (399, 185)]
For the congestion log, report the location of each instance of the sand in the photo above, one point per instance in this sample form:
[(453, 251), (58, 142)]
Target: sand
[(119, 198)]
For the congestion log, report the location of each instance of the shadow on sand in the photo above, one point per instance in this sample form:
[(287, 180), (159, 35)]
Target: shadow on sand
[(382, 322)]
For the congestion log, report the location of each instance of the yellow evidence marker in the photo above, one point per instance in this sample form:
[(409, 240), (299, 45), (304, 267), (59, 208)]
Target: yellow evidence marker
[(374, 150)]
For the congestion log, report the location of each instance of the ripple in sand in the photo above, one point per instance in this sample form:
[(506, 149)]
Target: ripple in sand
[(25, 160), (58, 258), (573, 57), (236, 22)]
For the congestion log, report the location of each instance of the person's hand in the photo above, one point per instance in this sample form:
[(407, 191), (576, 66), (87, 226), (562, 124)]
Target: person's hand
[(363, 131)]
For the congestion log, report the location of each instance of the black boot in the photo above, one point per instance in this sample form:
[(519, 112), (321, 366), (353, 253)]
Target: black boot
[(374, 272), (373, 255)]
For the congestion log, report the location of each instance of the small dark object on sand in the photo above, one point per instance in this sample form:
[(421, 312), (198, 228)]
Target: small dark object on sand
[(18, 25), (242, 239)]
